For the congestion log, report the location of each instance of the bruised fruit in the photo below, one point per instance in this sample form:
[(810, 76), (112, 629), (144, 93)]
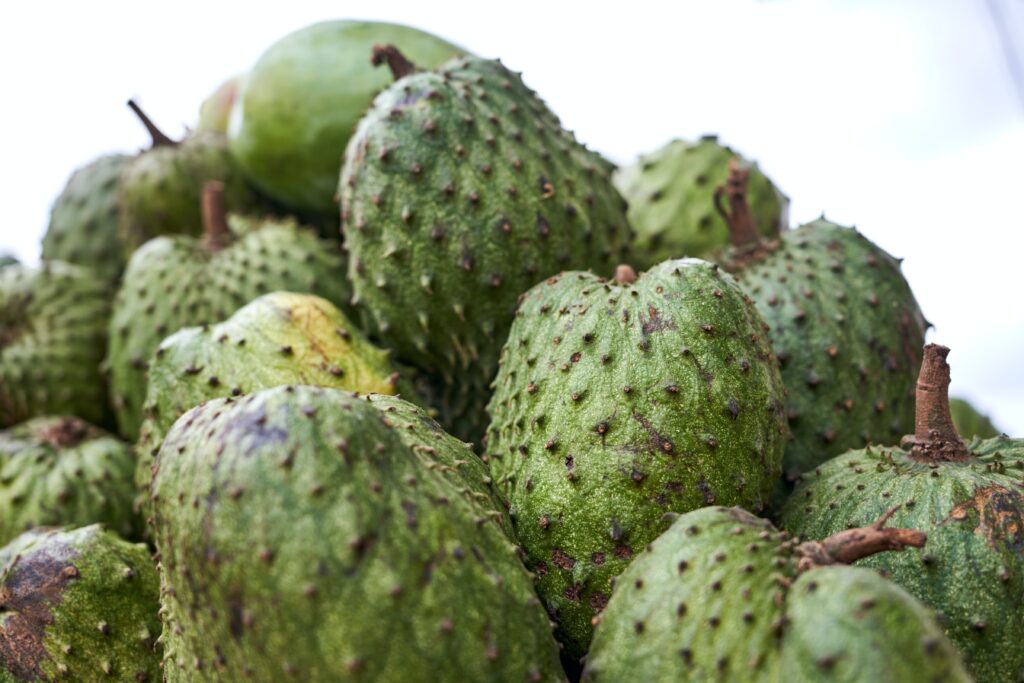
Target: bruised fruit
[(618, 402), (302, 537)]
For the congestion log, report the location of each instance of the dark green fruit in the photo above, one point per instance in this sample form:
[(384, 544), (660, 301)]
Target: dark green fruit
[(302, 99), (57, 471), (460, 191), (968, 498), (672, 205), (302, 537), (620, 401), (844, 325), (78, 605), (215, 111), (279, 338), (160, 189), (53, 333), (83, 221), (723, 596), (176, 282), (969, 422)]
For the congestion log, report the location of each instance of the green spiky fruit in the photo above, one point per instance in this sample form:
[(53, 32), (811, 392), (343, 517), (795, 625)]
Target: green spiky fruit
[(845, 328), (461, 190), (722, 595), (57, 471), (672, 205), (160, 189), (53, 333), (78, 605), (175, 282), (301, 537), (970, 501), (280, 338), (215, 111), (969, 422), (302, 99), (617, 403), (83, 220)]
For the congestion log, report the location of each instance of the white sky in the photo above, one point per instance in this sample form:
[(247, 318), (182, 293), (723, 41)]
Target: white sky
[(898, 116)]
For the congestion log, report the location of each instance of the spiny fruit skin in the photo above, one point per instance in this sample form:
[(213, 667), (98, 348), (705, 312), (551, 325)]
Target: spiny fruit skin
[(60, 470), (303, 98), (160, 189), (175, 282), (847, 332), (83, 220), (617, 404), (78, 605), (461, 190), (719, 597), (970, 422), (279, 338), (301, 538), (671, 201), (53, 334), (972, 571), (215, 111)]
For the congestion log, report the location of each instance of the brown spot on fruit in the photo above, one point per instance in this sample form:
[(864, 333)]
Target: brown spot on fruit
[(998, 514)]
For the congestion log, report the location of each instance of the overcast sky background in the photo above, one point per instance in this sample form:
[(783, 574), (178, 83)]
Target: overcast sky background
[(899, 116)]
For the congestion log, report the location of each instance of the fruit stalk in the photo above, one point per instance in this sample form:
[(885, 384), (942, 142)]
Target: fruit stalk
[(742, 228), (935, 437), (396, 61), (846, 547), (216, 233), (160, 138)]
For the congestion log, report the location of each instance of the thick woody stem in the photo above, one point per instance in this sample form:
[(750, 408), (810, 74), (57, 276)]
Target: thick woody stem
[(742, 228), (935, 437), (851, 545), (624, 274), (396, 61), (216, 233), (159, 138)]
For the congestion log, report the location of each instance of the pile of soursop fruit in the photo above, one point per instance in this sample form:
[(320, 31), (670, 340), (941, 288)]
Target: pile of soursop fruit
[(380, 375)]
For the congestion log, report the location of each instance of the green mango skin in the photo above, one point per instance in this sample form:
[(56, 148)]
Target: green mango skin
[(302, 99), (671, 201), (60, 470), (176, 282), (301, 537), (215, 111), (847, 332), (615, 405), (78, 605), (718, 597), (84, 219), (970, 422), (53, 334), (972, 570)]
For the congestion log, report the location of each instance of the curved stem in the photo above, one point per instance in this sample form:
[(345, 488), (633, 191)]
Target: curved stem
[(742, 228), (851, 545), (159, 137), (216, 233), (396, 61), (624, 274), (935, 437)]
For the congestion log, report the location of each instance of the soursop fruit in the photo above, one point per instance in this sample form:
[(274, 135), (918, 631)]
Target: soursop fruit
[(175, 282), (301, 537), (279, 338), (78, 605), (844, 325), (969, 498), (303, 98), (970, 422), (461, 190), (160, 189), (672, 203), (618, 402), (215, 111), (60, 470), (53, 334), (83, 221), (724, 596)]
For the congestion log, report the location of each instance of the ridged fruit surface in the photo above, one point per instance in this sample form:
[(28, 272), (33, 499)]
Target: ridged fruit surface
[(618, 403), (78, 605), (300, 536), (53, 334)]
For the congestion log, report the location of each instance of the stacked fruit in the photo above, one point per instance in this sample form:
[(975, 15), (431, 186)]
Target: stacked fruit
[(492, 425)]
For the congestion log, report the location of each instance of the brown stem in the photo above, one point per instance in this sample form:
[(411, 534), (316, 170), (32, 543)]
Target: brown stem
[(742, 228), (624, 274), (396, 61), (935, 437), (216, 233), (851, 545), (160, 139)]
